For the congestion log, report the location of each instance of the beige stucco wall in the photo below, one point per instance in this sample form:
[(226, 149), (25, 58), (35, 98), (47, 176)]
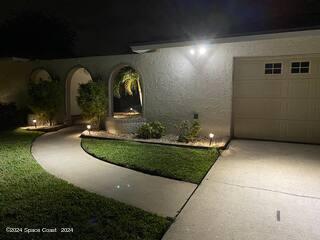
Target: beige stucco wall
[(13, 81), (176, 84)]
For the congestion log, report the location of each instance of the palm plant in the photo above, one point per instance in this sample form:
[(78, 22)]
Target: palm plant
[(129, 80)]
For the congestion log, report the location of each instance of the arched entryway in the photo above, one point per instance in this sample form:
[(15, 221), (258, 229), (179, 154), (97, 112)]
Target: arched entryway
[(36, 76), (126, 92), (76, 76), (126, 101), (40, 74)]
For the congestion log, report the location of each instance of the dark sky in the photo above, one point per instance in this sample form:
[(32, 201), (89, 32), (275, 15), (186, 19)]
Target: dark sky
[(110, 27)]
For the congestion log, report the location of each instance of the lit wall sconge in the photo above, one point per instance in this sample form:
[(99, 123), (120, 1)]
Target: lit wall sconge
[(200, 50), (211, 136), (34, 121), (89, 128)]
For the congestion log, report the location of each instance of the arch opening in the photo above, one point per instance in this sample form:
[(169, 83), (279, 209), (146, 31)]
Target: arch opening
[(40, 74), (127, 94), (77, 76)]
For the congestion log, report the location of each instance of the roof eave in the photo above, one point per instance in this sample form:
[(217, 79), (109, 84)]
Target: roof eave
[(244, 38)]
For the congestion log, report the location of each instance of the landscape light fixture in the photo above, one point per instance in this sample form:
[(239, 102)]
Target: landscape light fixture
[(131, 109), (34, 123), (211, 136), (89, 128)]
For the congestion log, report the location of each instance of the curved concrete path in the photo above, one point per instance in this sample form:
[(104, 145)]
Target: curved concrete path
[(60, 154)]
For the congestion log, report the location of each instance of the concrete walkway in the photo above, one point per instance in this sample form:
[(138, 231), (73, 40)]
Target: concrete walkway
[(60, 154), (256, 191)]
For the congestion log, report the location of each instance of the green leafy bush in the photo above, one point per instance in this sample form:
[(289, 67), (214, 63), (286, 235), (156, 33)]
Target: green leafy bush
[(92, 100), (45, 98), (188, 132), (158, 129), (151, 130), (144, 131)]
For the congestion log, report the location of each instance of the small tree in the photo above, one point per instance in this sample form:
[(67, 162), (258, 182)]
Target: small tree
[(45, 98), (92, 100), (128, 79)]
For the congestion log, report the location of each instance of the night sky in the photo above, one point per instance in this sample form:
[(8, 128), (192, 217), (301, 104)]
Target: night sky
[(110, 27)]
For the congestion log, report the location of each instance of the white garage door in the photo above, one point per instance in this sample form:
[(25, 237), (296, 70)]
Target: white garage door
[(277, 98)]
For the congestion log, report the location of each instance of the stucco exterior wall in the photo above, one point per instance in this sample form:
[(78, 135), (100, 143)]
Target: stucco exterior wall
[(177, 84), (13, 81)]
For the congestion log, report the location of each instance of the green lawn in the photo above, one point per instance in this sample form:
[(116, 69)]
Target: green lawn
[(187, 164), (32, 198)]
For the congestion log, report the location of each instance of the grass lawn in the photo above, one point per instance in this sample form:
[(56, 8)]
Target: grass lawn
[(32, 198), (187, 164)]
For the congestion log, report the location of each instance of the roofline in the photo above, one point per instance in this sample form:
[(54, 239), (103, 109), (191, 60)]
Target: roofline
[(14, 59), (242, 38)]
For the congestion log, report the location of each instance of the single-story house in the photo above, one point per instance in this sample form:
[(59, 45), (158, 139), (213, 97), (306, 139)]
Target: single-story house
[(263, 86)]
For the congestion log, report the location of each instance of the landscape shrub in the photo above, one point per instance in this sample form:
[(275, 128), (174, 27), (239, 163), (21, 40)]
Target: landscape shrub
[(188, 132), (151, 130), (92, 100), (158, 129), (144, 131), (45, 99)]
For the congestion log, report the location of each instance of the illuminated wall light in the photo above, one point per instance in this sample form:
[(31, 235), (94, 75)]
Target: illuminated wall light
[(192, 51)]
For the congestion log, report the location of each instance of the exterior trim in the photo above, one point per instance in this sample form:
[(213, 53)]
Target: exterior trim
[(151, 47)]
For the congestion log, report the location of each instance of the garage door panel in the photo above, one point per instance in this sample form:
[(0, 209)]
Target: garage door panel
[(298, 88), (298, 109), (269, 88), (315, 132), (282, 106), (315, 88), (258, 128), (259, 108), (249, 70), (298, 130), (314, 110)]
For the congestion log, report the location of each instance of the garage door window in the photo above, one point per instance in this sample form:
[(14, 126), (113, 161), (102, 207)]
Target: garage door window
[(300, 67), (272, 68)]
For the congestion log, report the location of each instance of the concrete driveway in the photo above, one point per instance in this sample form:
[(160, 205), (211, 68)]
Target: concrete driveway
[(256, 190)]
